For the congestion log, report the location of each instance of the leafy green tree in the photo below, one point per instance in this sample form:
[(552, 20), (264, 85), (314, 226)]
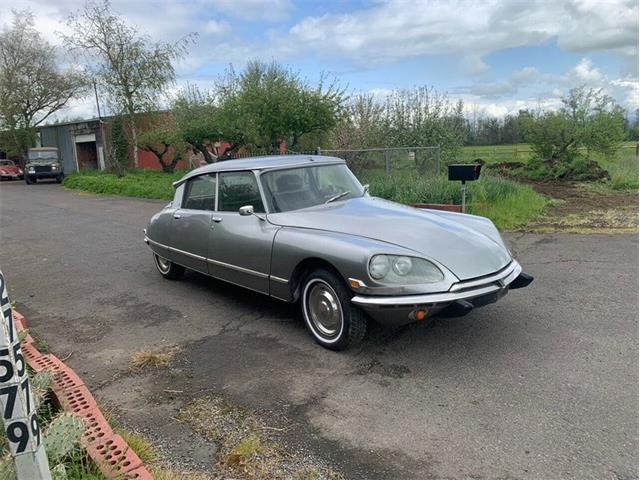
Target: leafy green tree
[(588, 120), (425, 117), (268, 104), (197, 121), (164, 140), (32, 86)]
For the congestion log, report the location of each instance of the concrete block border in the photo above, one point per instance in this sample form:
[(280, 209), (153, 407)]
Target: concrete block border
[(112, 455)]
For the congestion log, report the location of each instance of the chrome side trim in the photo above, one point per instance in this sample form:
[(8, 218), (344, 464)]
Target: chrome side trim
[(502, 274), (278, 279), (147, 240), (237, 268), (188, 254), (445, 297)]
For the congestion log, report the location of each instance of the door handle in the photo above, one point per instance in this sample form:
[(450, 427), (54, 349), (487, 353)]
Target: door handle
[(176, 216), (216, 219)]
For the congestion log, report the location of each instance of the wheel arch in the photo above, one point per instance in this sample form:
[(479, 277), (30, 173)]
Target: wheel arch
[(303, 268)]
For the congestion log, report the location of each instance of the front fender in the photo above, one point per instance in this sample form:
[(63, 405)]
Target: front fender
[(348, 254)]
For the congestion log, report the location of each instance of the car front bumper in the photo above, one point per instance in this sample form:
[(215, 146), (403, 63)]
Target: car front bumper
[(462, 297)]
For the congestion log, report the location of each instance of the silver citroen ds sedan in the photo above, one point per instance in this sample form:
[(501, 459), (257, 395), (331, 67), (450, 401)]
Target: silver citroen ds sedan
[(303, 229)]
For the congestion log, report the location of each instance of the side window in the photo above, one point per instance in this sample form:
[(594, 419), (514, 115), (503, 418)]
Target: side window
[(238, 189), (200, 193)]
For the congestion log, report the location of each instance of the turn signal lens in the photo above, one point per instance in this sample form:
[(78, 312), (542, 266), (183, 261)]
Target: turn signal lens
[(420, 314)]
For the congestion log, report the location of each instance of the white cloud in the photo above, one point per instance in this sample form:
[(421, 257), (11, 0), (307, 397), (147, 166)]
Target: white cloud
[(585, 72), (215, 27), (395, 29), (552, 87), (509, 87)]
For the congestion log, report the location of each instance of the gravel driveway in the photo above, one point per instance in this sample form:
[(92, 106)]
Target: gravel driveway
[(543, 384)]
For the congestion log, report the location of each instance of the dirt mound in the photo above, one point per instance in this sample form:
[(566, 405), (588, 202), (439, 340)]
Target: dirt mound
[(580, 169)]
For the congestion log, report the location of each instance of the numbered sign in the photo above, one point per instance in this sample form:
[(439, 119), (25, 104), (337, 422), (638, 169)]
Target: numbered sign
[(16, 401)]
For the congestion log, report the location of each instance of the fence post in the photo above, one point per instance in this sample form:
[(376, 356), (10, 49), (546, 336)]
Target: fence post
[(387, 162), (437, 161), (20, 418)]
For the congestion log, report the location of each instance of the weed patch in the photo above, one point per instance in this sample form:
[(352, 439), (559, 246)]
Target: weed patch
[(246, 450), (153, 358)]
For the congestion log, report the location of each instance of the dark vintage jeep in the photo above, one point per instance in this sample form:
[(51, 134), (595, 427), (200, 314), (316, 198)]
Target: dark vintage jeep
[(43, 162)]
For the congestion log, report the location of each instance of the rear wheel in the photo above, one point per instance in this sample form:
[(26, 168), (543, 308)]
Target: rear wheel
[(167, 268), (331, 318)]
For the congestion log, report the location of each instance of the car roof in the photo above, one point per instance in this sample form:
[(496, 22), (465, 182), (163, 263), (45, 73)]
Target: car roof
[(261, 163)]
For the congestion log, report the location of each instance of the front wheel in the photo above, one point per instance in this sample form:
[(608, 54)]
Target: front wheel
[(167, 268), (60, 178), (30, 180), (331, 318)]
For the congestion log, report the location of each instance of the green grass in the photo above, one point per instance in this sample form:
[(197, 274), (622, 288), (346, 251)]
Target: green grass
[(136, 183), (508, 203), (623, 170)]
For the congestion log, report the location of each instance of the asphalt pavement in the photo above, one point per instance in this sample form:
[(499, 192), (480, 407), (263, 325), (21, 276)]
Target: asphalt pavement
[(543, 384)]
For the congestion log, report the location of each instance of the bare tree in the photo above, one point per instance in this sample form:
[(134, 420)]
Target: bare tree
[(32, 85), (131, 68)]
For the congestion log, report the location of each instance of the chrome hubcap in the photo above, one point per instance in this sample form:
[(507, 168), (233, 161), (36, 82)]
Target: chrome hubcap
[(163, 263), (324, 310)]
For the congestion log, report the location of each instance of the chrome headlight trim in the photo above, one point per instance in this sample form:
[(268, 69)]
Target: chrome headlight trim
[(421, 270)]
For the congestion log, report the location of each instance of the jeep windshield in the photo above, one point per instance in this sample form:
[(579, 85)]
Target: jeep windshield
[(44, 157), (295, 188)]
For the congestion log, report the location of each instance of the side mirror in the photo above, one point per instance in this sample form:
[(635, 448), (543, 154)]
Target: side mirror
[(246, 211)]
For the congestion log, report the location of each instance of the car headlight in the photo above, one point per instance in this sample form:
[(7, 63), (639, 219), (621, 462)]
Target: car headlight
[(54, 167), (400, 269), (32, 170), (379, 266)]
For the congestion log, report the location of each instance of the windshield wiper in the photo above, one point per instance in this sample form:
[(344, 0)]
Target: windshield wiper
[(338, 196)]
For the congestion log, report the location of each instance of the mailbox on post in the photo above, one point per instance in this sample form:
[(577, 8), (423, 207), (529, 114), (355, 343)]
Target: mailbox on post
[(464, 172)]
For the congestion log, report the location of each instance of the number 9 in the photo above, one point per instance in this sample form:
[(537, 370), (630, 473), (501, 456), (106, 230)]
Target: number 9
[(35, 428), (18, 433)]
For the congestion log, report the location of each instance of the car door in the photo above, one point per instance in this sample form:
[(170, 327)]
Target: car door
[(240, 246), (191, 223)]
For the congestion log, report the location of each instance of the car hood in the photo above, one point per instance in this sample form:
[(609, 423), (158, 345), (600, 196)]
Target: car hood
[(10, 168), (469, 246)]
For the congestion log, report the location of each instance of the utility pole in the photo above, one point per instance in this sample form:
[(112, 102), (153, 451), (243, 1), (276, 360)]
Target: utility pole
[(20, 418), (101, 149)]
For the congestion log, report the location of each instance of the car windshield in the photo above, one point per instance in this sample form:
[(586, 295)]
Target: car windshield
[(44, 156), (6, 163), (296, 188)]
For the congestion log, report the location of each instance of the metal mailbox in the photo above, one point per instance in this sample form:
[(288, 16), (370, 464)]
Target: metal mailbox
[(464, 171)]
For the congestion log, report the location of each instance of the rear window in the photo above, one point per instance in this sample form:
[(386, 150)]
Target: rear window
[(200, 193)]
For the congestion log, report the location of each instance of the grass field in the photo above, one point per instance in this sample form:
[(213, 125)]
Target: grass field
[(136, 183)]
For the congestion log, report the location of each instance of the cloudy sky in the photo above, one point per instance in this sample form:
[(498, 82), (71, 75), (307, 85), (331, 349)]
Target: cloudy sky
[(497, 56)]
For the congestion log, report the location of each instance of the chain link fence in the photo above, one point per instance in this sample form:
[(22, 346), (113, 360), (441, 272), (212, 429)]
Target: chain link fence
[(420, 160), (377, 161)]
